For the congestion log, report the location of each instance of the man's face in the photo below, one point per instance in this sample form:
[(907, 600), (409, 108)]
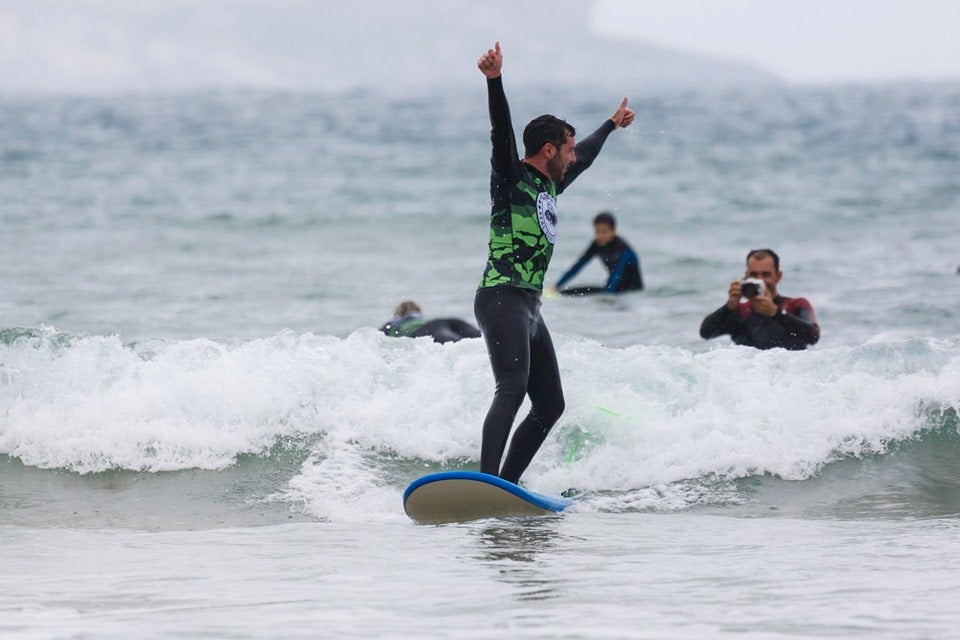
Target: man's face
[(603, 234), (561, 159), (763, 269)]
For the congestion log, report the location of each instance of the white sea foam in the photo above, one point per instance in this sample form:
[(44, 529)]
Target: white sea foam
[(374, 410)]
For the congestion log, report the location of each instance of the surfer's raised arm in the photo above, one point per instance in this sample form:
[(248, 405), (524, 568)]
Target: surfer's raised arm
[(589, 148), (505, 159)]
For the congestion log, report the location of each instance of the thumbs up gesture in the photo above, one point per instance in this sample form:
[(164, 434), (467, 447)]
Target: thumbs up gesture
[(623, 116), (491, 62)]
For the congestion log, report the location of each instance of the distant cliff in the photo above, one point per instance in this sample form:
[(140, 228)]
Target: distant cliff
[(399, 45)]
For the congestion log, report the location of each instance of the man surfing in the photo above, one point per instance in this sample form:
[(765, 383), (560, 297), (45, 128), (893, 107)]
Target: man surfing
[(523, 229)]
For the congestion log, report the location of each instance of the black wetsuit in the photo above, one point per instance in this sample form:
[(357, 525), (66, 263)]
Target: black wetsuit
[(794, 327), (524, 363), (523, 226), (620, 260), (441, 330)]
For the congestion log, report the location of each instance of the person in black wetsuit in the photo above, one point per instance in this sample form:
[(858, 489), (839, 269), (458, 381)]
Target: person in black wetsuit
[(618, 257), (408, 322), (767, 320), (523, 228)]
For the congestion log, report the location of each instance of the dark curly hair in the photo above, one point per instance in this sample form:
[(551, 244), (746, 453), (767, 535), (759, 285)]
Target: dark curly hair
[(545, 129)]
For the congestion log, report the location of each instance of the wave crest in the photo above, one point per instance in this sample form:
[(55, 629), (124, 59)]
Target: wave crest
[(656, 425)]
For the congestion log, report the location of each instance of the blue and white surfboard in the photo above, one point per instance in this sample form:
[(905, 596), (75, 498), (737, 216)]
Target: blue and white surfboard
[(460, 496)]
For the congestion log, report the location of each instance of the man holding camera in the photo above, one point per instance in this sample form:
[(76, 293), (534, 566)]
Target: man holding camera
[(755, 315)]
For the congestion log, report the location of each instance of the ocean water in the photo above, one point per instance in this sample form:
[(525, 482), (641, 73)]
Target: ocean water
[(202, 434)]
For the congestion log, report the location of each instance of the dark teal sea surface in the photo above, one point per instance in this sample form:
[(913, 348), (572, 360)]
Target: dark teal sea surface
[(202, 433)]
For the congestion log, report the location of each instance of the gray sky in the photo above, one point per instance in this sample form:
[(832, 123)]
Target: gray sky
[(397, 45), (802, 40)]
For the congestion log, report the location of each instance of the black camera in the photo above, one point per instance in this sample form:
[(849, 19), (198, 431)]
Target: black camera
[(752, 287)]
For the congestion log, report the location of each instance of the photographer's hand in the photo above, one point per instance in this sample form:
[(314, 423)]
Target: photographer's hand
[(764, 305), (733, 296)]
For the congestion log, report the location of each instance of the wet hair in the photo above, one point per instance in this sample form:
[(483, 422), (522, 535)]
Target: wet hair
[(605, 217), (760, 254), (545, 129), (406, 307)]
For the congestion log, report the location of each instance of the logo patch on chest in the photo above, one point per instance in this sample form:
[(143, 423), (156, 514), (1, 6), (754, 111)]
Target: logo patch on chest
[(547, 215)]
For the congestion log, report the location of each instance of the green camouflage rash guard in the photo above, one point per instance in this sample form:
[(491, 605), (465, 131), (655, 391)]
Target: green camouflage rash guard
[(523, 222), (403, 326), (523, 229)]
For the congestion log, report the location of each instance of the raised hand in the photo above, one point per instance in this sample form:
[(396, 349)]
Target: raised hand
[(623, 117), (491, 62)]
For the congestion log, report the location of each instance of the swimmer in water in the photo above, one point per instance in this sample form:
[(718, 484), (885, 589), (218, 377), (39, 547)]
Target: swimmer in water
[(617, 256), (408, 322)]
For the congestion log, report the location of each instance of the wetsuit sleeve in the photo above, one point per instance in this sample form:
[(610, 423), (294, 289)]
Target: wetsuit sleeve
[(578, 265), (616, 275), (505, 160), (800, 322), (587, 151), (720, 322)]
